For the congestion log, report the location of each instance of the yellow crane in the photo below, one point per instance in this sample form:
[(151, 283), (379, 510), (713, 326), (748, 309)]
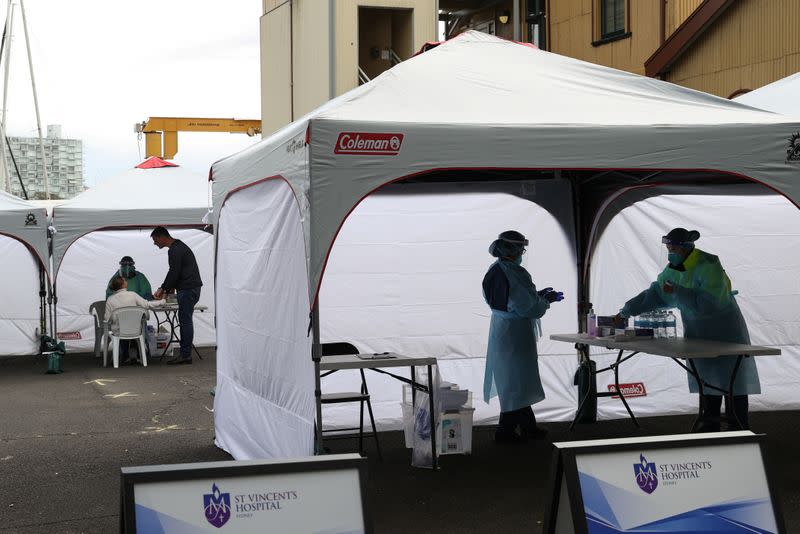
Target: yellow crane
[(161, 133)]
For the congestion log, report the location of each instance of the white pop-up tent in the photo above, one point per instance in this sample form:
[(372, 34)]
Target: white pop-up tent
[(96, 228), (26, 278), (474, 109), (780, 96)]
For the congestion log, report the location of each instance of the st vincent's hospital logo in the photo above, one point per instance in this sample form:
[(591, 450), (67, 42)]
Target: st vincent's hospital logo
[(646, 476), (217, 506)]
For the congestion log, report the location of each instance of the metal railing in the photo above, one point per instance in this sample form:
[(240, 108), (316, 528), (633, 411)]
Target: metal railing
[(362, 76)]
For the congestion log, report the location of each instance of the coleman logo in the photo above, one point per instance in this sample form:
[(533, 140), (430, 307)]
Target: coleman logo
[(69, 336), (629, 390), (374, 144)]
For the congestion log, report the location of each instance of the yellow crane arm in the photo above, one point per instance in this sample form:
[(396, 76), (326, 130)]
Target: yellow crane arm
[(161, 133)]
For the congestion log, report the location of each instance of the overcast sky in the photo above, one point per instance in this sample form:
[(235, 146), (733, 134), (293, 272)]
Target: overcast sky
[(103, 65)]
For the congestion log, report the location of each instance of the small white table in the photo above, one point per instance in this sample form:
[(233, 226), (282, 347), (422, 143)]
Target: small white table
[(673, 348), (379, 362), (170, 311)]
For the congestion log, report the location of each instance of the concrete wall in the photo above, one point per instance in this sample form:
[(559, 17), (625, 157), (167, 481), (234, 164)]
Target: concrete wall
[(276, 67), (424, 25), (296, 54)]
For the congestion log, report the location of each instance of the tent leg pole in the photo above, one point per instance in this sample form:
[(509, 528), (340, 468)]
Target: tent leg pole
[(316, 355), (54, 316)]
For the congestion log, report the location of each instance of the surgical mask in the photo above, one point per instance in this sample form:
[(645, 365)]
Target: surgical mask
[(126, 270), (675, 259)]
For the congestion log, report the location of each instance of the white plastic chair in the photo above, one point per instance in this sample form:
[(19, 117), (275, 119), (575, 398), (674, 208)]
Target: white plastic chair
[(131, 320)]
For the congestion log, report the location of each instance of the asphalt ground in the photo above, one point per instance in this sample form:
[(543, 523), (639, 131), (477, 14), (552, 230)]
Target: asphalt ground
[(64, 438)]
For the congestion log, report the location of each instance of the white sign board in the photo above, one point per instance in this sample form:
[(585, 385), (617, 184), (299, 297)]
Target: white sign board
[(319, 495), (712, 483)]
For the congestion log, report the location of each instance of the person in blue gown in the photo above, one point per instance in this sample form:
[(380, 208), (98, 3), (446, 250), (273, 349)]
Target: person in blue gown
[(512, 366)]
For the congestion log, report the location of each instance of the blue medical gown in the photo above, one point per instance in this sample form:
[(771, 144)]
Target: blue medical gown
[(702, 292), (512, 362)]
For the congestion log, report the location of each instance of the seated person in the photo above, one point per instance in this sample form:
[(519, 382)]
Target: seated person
[(137, 282), (121, 298)]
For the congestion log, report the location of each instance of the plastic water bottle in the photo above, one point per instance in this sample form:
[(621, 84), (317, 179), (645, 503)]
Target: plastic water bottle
[(591, 323), (646, 321), (661, 324), (672, 325)]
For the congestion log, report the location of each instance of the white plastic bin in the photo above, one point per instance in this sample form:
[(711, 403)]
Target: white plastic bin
[(454, 434)]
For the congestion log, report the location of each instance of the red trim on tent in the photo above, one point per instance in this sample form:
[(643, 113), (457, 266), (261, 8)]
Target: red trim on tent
[(154, 162), (431, 171)]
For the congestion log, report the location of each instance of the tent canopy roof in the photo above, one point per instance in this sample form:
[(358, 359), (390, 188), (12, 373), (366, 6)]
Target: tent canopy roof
[(152, 188), (26, 222), (780, 96), (156, 196), (484, 104), (480, 79), (154, 162)]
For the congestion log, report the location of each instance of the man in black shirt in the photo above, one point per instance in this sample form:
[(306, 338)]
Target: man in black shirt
[(183, 277)]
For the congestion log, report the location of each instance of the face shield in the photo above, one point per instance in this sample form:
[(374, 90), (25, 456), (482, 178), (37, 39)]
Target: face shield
[(127, 269), (674, 251)]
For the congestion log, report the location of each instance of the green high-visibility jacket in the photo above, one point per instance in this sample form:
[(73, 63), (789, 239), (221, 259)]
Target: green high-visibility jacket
[(702, 293)]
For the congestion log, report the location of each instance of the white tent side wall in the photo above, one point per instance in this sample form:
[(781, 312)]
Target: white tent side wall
[(405, 275), (91, 261), (19, 293), (757, 239), (264, 400)]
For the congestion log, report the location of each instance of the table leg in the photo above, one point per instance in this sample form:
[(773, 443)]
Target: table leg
[(619, 391), (173, 336), (729, 396), (433, 418), (700, 391), (413, 387)]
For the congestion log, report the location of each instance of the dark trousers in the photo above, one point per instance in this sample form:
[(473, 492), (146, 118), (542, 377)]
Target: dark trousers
[(713, 412), (187, 298), (523, 417)]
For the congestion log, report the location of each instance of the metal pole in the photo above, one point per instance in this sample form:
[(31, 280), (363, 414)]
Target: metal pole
[(6, 58), (35, 100), (515, 20), (316, 355)]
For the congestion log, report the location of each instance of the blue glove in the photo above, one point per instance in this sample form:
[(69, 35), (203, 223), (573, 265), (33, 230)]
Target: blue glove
[(551, 296)]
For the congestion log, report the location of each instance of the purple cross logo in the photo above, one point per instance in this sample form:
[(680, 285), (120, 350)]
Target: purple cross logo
[(217, 506), (646, 476)]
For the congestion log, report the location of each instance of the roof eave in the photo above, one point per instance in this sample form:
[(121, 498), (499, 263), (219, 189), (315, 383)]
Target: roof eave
[(684, 36)]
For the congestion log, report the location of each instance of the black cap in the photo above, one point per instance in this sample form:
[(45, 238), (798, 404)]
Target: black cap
[(678, 236), (126, 260)]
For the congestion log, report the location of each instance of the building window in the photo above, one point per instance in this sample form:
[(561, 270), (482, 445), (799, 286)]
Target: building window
[(612, 18)]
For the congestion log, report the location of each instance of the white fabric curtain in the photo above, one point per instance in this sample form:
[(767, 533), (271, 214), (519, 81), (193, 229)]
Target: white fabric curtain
[(264, 403), (757, 239), (405, 275), (19, 293), (91, 261)]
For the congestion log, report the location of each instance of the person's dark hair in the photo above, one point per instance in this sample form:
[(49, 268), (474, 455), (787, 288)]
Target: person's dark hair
[(126, 260), (116, 283), (160, 231)]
